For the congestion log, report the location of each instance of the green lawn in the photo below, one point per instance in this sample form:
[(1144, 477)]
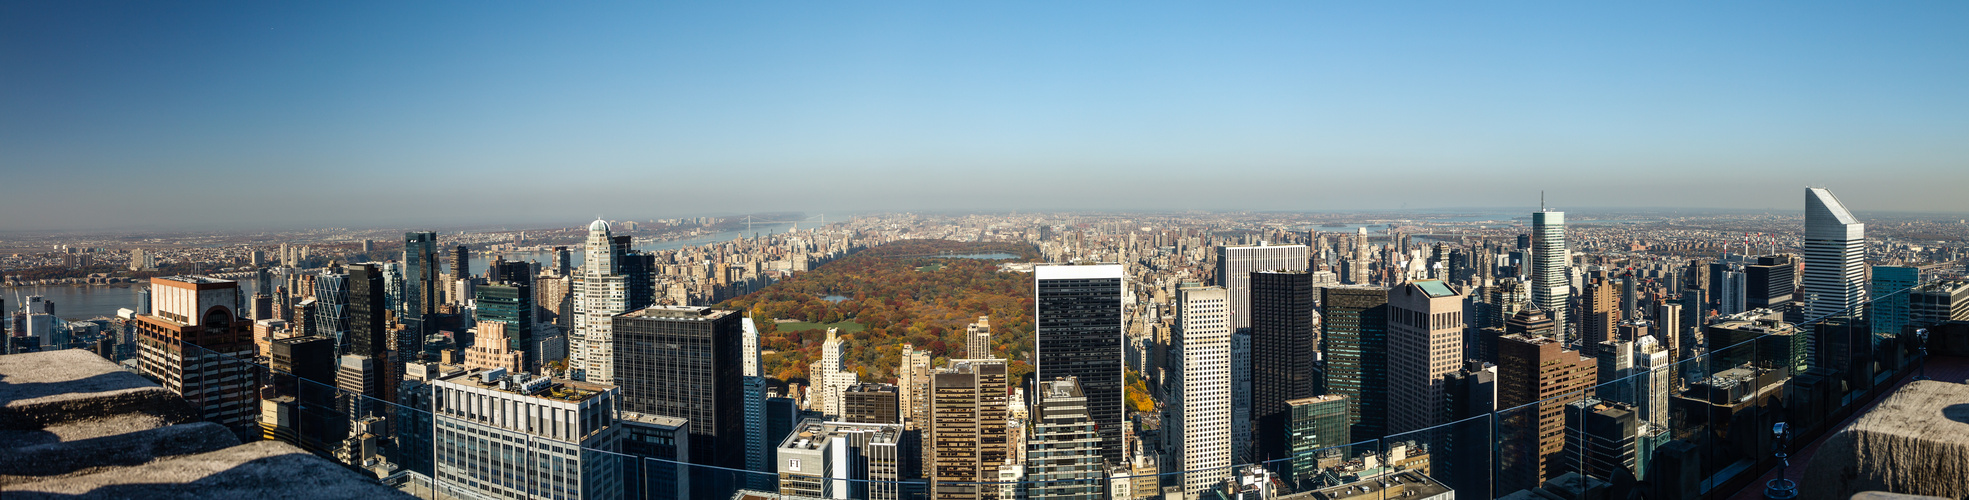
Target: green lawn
[(931, 268), (845, 326)]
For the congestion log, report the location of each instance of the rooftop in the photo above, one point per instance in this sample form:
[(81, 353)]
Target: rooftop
[(527, 384), (1398, 485), (679, 312), (73, 424)]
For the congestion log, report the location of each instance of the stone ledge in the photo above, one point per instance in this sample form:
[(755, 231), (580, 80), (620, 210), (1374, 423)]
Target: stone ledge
[(53, 460), (1916, 441), (264, 469), (43, 389)]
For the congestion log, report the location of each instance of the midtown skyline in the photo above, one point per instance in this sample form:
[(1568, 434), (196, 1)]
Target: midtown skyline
[(408, 115)]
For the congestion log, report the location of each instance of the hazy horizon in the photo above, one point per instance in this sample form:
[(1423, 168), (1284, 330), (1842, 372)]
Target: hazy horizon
[(128, 115)]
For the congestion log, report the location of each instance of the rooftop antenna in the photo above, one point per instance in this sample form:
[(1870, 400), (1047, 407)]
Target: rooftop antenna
[(1541, 200)]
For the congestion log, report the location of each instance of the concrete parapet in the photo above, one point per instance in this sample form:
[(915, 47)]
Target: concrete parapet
[(1916, 441)]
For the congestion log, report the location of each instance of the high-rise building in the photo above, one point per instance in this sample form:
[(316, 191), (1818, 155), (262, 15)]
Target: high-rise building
[(1236, 263), (1284, 347), (831, 377), (1551, 288), (494, 349), (461, 262), (869, 403), (1835, 256), (1355, 343), (421, 283), (1197, 428), (1939, 302), (655, 441), (1425, 345), (847, 460), (331, 295), (1770, 283), (302, 405), (1535, 371), (1668, 329), (758, 445), (913, 380), (1892, 286), (510, 305), (600, 293), (1317, 424), (707, 391), (977, 339), (195, 345), (1599, 313), (1078, 333), (1600, 438), (967, 415), (532, 420), (1064, 461)]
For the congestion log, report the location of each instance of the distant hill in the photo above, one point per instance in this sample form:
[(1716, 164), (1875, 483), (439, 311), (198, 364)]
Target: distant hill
[(903, 292)]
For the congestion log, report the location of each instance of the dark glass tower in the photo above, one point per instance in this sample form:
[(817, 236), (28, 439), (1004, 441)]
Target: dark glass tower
[(367, 334), (420, 279), (461, 262), (511, 304), (1283, 347), (1356, 346), (1077, 312), (684, 362)]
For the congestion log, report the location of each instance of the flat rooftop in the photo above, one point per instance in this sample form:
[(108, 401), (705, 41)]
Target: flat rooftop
[(679, 312)]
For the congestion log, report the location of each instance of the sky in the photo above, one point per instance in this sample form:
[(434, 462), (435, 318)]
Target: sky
[(247, 114)]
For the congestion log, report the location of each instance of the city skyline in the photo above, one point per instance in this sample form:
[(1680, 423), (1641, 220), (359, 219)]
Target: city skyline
[(884, 107)]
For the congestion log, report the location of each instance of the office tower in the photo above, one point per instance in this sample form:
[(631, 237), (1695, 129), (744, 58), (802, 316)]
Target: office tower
[(563, 261), (962, 421), (1241, 424), (1892, 287), (1758, 338), (1939, 302), (1425, 345), (1197, 428), (638, 272), (262, 306), (533, 420), (758, 447), (847, 460), (366, 312), (1770, 283), (461, 262), (1629, 297), (331, 296), (1598, 315), (830, 377), (1835, 253), (1355, 344), (1535, 370), (511, 306), (420, 275), (706, 392), (1065, 457), (1654, 380), (1668, 329), (600, 293), (1600, 438), (1732, 289), (1316, 424), (869, 403), (1235, 265), (1357, 266), (361, 379), (494, 349), (1462, 450), (1284, 347), (977, 339), (657, 442), (1077, 320), (913, 377), (303, 390), (1550, 287), (195, 346), (1500, 301)]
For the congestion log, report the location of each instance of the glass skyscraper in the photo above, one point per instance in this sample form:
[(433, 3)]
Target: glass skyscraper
[(1551, 288), (1835, 257), (1077, 313)]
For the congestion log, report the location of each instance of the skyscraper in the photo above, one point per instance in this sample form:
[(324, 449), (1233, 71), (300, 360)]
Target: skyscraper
[(758, 445), (600, 293), (534, 420), (1285, 343), (1551, 289), (1891, 291), (1077, 320), (511, 305), (967, 428), (1065, 461), (1535, 370), (196, 346), (1355, 341), (831, 378), (1235, 265), (1599, 313), (461, 262), (651, 344), (1198, 427), (1317, 424), (977, 339), (1835, 256), (1425, 345), (420, 275), (913, 380)]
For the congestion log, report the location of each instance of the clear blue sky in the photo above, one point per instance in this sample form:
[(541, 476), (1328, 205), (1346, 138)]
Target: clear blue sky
[(120, 114)]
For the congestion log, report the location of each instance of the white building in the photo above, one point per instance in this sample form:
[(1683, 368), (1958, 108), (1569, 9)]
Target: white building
[(830, 378), (1835, 257), (600, 293), (1198, 428), (1551, 286), (551, 435)]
